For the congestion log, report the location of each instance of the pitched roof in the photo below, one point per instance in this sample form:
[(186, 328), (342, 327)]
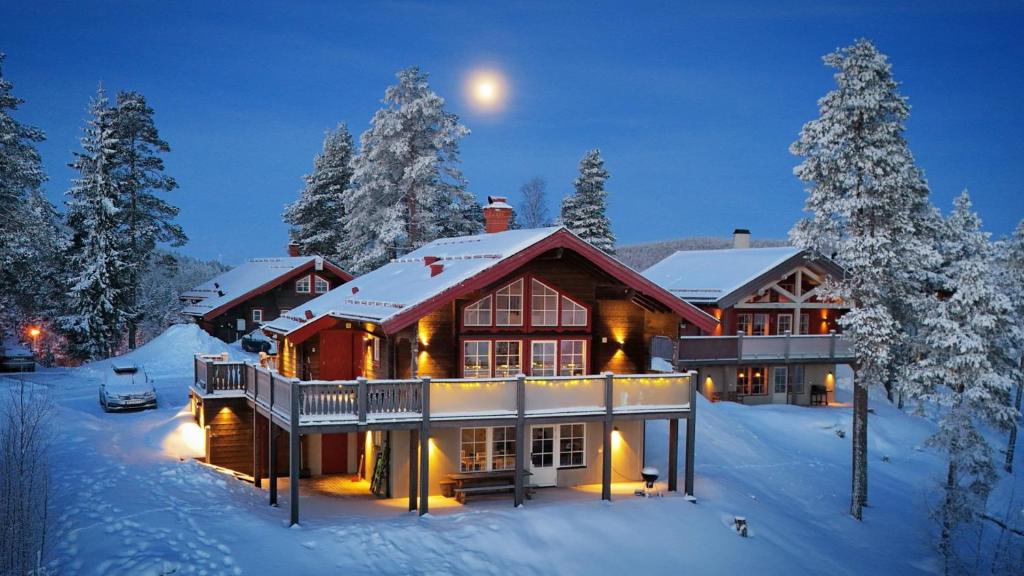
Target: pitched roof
[(254, 277), (708, 276), (407, 288)]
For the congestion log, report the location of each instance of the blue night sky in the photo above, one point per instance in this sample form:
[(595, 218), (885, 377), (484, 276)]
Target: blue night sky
[(693, 106)]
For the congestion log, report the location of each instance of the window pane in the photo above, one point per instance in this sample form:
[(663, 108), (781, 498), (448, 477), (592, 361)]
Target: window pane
[(473, 453), (798, 379), (321, 285), (783, 323), (572, 313), (542, 358), (508, 305), (543, 305), (757, 380), (507, 358), (302, 285), (478, 313), (476, 359), (743, 323), (760, 324), (779, 378), (573, 359), (503, 448), (571, 444)]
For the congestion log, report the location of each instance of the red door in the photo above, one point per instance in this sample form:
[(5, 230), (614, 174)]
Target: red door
[(340, 357), (334, 453)]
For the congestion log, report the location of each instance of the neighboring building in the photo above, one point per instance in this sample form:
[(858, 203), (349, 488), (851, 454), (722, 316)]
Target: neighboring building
[(472, 313), (245, 297), (777, 339)]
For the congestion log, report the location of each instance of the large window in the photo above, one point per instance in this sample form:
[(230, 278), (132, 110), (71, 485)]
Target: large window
[(743, 324), (572, 313), (508, 358), (503, 448), (476, 359), (760, 327), (571, 445), (508, 305), (542, 357), (751, 381), (473, 454), (805, 323), (572, 357), (543, 304), (485, 449), (478, 313), (798, 379), (321, 285), (302, 285), (779, 377), (783, 324)]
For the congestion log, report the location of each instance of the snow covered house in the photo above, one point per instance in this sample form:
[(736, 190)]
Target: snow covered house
[(262, 289), (504, 361), (777, 340)]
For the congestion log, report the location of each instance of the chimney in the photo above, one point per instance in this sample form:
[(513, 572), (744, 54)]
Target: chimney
[(497, 214), (741, 238), (293, 249)]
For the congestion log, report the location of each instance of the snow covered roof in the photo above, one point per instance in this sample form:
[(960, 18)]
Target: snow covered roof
[(707, 276), (435, 271), (254, 277)]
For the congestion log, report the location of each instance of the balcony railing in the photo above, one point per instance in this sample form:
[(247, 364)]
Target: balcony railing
[(695, 350), (214, 373), (362, 401)]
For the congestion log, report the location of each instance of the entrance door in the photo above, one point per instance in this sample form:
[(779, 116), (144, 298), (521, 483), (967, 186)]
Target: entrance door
[(334, 453), (780, 385), (542, 456), (338, 355)]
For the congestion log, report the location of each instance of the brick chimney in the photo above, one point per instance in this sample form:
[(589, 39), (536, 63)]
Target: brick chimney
[(741, 238), (293, 249), (497, 214)]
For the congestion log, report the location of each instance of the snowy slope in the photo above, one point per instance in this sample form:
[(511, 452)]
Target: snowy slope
[(130, 501)]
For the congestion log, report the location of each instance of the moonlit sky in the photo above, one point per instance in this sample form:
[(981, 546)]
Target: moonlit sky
[(694, 106)]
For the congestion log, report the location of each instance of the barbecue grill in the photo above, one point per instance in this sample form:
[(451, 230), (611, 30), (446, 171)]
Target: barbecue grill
[(650, 476)]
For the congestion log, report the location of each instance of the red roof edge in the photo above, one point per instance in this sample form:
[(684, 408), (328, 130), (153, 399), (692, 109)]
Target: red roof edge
[(334, 269)]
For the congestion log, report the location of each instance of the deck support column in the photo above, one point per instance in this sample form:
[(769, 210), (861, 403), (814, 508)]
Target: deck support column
[(414, 446), (293, 455), (691, 431), (425, 447), (520, 477), (250, 372), (272, 460), (673, 454), (606, 460)]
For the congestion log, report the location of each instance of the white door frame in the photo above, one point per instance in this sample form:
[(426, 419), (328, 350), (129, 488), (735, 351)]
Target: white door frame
[(779, 397), (544, 475)]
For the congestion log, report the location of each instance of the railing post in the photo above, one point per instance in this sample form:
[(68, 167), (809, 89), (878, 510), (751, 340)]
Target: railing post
[(361, 399), (256, 480), (520, 439), (739, 345), (691, 430), (788, 343), (832, 344), (293, 453), (425, 448), (271, 447), (606, 461), (207, 386)]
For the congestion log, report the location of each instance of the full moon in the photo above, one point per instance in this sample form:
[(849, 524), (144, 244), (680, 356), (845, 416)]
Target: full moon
[(486, 89)]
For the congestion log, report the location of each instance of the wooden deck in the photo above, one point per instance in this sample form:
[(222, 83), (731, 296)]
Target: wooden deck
[(740, 349)]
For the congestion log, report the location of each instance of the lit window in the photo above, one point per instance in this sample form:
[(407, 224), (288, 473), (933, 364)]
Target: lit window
[(572, 313), (783, 323), (473, 453), (376, 351), (743, 324), (478, 313), (257, 315), (503, 448), (571, 443), (476, 359), (544, 305), (542, 358), (508, 305), (750, 381), (760, 327), (572, 361), (507, 358), (779, 377), (321, 285), (302, 285)]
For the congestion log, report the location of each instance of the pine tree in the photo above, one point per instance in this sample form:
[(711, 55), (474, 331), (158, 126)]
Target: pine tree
[(138, 170), (961, 368), (94, 318), (317, 217), (533, 210), (584, 212), (1010, 274), (869, 208), (407, 188)]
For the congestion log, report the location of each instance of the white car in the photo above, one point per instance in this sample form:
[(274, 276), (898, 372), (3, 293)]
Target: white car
[(126, 387)]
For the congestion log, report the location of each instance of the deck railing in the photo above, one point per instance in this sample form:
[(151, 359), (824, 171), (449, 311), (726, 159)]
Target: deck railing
[(214, 373), (696, 350)]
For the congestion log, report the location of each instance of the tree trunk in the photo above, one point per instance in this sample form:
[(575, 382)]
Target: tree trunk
[(1011, 445), (859, 441), (948, 516)]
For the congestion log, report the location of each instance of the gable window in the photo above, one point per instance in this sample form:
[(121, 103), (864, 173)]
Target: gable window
[(544, 305), (476, 359), (508, 305), (257, 315), (478, 313), (542, 357), (760, 327), (302, 285), (779, 377), (571, 444), (507, 358), (572, 357), (572, 313), (783, 324), (743, 324), (321, 285)]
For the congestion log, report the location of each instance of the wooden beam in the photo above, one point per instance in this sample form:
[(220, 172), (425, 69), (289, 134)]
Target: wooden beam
[(425, 449), (414, 446), (272, 461), (256, 450), (673, 454), (691, 430), (606, 460), (520, 440), (293, 458)]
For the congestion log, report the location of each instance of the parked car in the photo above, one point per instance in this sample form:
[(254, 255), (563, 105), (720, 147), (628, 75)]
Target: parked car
[(16, 358), (126, 387), (257, 341)]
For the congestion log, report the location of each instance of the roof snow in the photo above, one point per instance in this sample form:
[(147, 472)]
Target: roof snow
[(239, 281), (385, 292), (708, 275)]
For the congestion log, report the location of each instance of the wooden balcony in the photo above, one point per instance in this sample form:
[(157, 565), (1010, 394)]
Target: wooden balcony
[(740, 349)]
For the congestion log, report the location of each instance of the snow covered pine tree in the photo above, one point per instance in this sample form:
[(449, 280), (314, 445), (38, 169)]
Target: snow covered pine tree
[(1010, 274), (869, 209), (317, 217), (94, 319), (584, 211), (961, 369), (407, 188)]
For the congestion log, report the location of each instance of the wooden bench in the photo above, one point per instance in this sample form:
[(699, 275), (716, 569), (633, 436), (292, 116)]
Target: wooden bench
[(460, 493), (461, 484)]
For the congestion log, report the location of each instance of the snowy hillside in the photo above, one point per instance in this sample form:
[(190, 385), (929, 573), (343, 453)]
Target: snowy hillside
[(130, 501)]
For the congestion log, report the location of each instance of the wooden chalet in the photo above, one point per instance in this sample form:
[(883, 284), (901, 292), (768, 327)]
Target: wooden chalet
[(526, 358), (777, 340)]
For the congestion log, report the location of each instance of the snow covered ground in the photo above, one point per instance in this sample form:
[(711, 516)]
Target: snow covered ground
[(129, 500)]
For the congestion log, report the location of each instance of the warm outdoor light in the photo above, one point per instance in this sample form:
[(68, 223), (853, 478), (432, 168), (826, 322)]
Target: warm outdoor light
[(616, 438), (34, 332)]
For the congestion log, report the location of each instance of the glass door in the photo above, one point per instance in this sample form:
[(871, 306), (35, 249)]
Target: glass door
[(542, 456)]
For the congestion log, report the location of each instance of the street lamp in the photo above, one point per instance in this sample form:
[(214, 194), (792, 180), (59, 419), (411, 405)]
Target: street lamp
[(34, 332)]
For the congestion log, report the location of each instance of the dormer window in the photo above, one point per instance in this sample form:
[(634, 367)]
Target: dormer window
[(302, 285), (321, 285)]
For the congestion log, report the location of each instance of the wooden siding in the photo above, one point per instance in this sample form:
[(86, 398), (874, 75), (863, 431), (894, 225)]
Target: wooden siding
[(231, 433), (438, 345)]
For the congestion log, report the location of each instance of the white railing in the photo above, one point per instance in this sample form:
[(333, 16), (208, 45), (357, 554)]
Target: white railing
[(786, 347), (650, 391), (565, 394), (472, 397)]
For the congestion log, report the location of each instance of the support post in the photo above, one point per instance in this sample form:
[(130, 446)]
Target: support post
[(739, 346), (691, 430), (673, 454), (832, 344), (788, 343), (361, 399), (256, 480), (425, 448), (414, 446), (293, 455), (520, 491), (272, 460), (606, 460)]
